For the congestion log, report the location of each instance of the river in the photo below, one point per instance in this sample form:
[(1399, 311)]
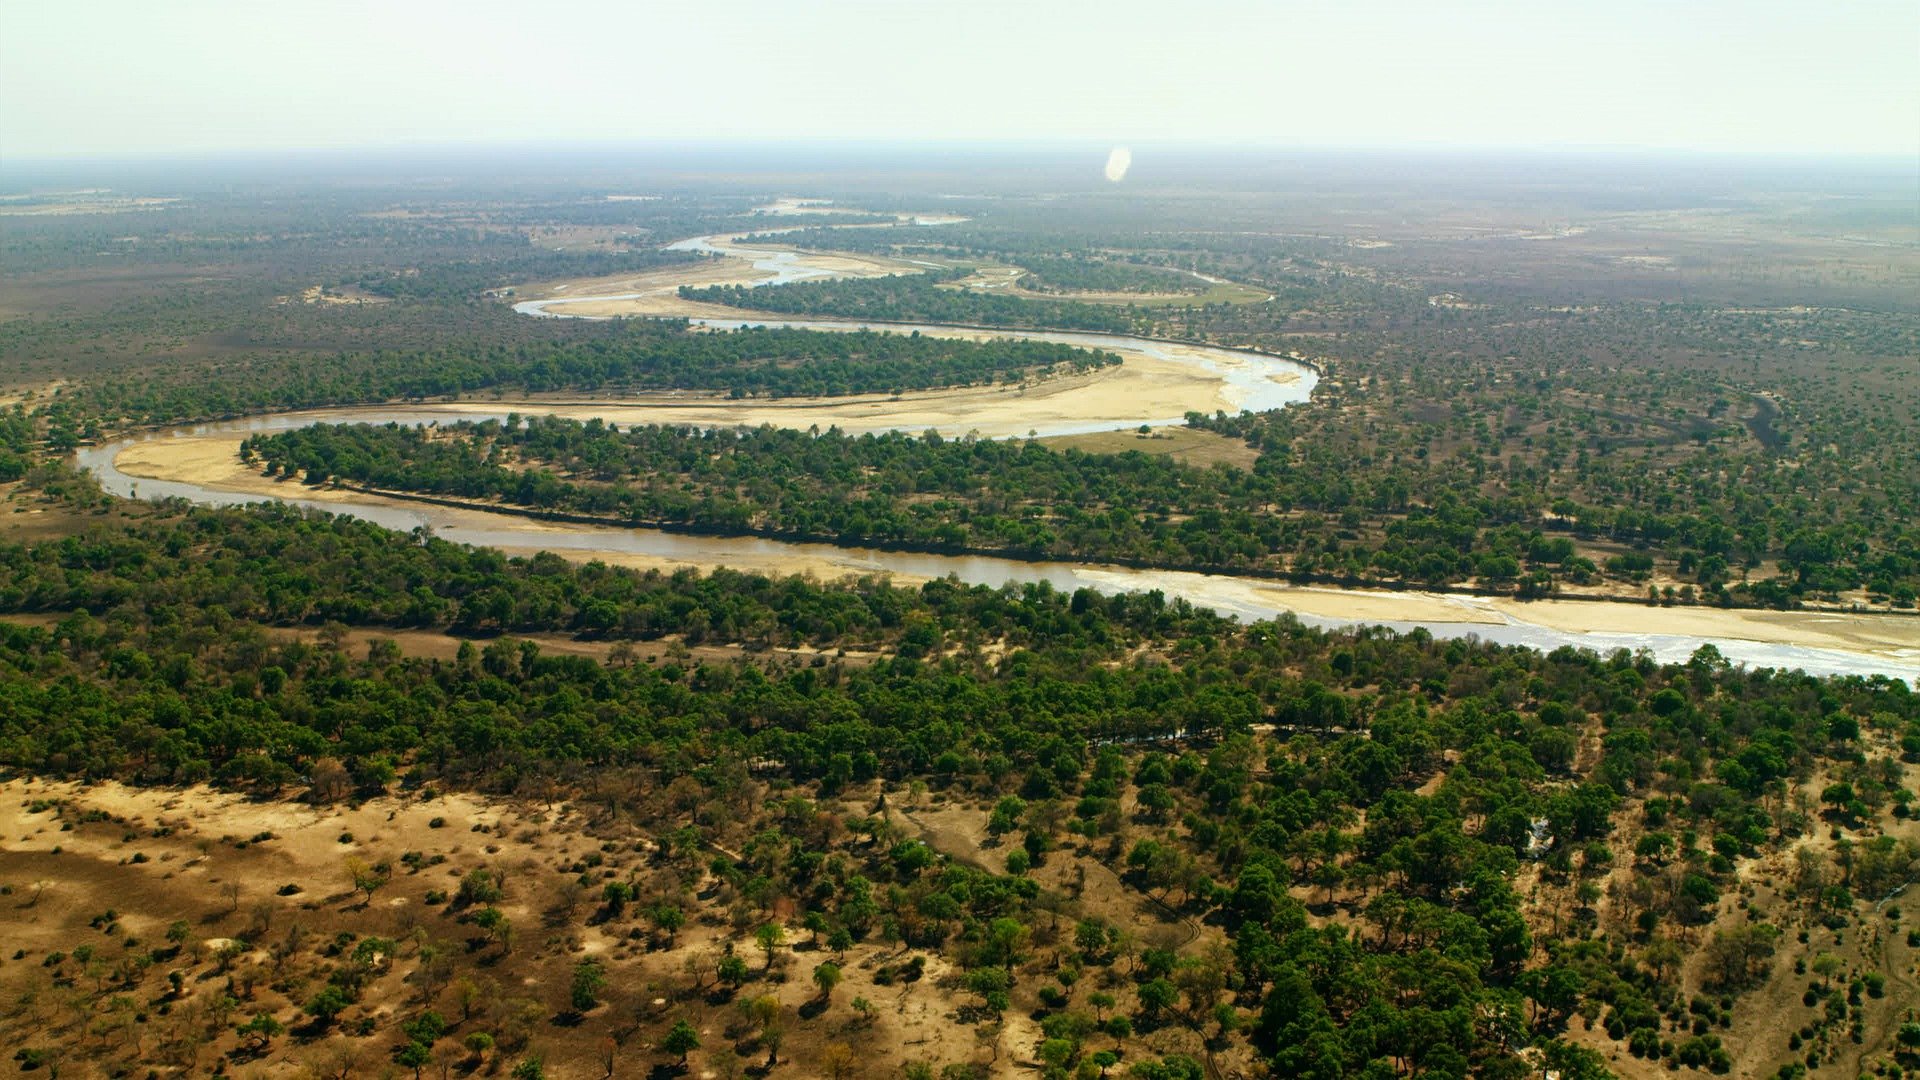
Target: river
[(1888, 645)]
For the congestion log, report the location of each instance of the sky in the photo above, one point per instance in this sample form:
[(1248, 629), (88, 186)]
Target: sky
[(116, 78)]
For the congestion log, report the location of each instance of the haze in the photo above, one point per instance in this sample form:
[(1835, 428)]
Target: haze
[(144, 79)]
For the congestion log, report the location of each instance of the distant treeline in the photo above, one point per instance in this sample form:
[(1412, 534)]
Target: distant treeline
[(639, 355), (467, 280), (1102, 275), (915, 298)]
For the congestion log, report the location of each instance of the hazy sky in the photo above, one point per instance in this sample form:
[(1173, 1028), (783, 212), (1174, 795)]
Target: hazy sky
[(143, 77)]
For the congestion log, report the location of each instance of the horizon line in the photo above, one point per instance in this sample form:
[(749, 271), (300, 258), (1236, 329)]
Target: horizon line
[(1031, 145)]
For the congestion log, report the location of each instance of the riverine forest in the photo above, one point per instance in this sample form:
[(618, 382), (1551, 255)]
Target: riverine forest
[(910, 605)]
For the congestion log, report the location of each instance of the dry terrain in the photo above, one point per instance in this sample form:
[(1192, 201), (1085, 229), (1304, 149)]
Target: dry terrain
[(148, 925), (1191, 446)]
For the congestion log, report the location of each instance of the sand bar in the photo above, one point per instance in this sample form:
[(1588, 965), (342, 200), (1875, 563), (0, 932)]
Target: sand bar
[(1169, 380)]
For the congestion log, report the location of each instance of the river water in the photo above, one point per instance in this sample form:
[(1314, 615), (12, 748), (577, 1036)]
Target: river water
[(1247, 598), (1253, 381)]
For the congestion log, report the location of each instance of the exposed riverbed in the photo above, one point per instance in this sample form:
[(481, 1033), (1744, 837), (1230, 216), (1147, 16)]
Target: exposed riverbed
[(1157, 383)]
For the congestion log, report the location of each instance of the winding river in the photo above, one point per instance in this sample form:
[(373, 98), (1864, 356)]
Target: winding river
[(1819, 643)]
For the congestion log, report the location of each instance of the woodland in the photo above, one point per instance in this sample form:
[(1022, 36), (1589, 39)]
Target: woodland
[(289, 794)]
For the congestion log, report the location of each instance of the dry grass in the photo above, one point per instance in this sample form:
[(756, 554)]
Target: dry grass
[(28, 516), (108, 869), (1189, 446)]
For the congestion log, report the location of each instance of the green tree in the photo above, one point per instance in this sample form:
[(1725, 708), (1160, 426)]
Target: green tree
[(826, 976), (329, 1003), (681, 1040), (588, 979), (415, 1056), (1158, 995), (368, 878), (770, 936), (669, 918), (261, 1031)]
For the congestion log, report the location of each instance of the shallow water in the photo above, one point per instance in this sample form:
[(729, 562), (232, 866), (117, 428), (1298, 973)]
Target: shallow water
[(1253, 381), (1246, 598)]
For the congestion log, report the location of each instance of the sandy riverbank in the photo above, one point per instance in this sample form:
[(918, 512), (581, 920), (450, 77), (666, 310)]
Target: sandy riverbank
[(653, 293), (656, 293), (213, 462), (1375, 606), (1893, 636), (1108, 398), (1175, 378), (1111, 397)]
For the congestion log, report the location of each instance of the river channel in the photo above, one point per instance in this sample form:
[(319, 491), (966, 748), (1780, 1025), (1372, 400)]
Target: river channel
[(1888, 645)]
